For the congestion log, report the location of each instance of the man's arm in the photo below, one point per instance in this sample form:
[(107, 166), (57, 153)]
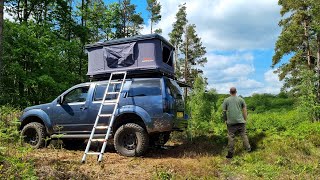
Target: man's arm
[(244, 113), (225, 115), (224, 112)]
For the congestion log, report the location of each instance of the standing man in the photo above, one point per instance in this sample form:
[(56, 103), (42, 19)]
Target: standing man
[(235, 116)]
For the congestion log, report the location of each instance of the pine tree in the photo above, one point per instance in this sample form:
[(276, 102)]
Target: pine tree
[(154, 8), (300, 36), (130, 21), (176, 35), (194, 52)]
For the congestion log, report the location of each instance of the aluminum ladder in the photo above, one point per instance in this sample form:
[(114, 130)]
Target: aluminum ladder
[(104, 102)]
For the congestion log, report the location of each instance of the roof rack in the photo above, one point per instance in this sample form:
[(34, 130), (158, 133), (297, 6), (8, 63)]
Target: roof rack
[(137, 73)]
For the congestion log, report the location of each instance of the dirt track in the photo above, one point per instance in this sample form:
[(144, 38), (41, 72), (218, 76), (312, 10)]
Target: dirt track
[(181, 159)]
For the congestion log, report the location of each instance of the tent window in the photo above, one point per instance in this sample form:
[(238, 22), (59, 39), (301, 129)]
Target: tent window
[(167, 56)]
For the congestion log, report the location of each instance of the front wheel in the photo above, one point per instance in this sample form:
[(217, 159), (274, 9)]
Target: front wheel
[(34, 134), (131, 140)]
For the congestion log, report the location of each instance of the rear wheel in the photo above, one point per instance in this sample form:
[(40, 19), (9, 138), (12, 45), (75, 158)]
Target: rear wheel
[(131, 140), (34, 134)]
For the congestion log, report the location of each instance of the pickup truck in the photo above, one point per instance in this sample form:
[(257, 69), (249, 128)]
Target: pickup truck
[(149, 110)]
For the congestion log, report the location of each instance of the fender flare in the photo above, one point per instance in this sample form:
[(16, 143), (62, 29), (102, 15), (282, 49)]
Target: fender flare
[(143, 114), (40, 114)]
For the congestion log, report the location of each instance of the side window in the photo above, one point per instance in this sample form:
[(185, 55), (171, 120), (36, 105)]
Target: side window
[(100, 89), (145, 88), (173, 88), (77, 95), (167, 55)]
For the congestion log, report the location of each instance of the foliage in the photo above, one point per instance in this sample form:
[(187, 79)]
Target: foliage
[(309, 103), (194, 52), (39, 64), (13, 161), (176, 36), (154, 8), (300, 38), (259, 103), (201, 103)]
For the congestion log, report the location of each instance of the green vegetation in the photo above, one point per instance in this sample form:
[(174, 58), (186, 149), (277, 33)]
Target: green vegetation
[(14, 163)]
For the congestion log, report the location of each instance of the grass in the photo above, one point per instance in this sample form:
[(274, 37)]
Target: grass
[(285, 147)]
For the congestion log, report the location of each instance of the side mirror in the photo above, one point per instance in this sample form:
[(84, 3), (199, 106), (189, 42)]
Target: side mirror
[(60, 100)]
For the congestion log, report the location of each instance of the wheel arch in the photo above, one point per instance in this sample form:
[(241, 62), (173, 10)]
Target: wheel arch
[(36, 116), (128, 118)]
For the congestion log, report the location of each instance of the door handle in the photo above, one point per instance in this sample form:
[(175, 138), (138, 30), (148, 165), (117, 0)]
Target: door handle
[(83, 108)]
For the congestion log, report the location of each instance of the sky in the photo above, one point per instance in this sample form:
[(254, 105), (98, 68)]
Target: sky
[(239, 36)]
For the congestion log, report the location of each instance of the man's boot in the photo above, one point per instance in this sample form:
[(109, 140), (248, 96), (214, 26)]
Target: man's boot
[(229, 155)]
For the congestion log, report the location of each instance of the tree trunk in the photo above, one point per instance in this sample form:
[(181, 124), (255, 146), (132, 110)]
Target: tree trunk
[(318, 74), (25, 11), (306, 34), (186, 65), (151, 24), (176, 58)]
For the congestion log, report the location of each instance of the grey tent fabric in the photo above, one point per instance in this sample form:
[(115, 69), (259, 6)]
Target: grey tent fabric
[(120, 55), (140, 53)]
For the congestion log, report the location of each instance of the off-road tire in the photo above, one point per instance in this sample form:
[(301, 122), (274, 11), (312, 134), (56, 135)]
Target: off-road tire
[(131, 140), (34, 134)]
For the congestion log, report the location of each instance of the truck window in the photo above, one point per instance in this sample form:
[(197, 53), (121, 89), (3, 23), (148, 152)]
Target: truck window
[(173, 88), (77, 95), (145, 88), (100, 89)]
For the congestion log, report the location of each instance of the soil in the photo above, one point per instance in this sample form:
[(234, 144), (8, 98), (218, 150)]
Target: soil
[(182, 159)]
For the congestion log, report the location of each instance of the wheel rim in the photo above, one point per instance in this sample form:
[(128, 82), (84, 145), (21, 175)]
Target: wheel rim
[(129, 141), (31, 137)]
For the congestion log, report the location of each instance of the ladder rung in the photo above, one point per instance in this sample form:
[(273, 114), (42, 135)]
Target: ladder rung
[(93, 153), (113, 92), (102, 127), (109, 102), (118, 73), (116, 82), (105, 115), (98, 140)]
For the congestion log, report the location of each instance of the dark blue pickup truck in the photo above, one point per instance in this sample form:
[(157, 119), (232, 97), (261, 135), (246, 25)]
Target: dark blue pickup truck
[(149, 110)]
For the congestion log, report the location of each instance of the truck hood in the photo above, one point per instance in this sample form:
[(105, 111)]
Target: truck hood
[(40, 106)]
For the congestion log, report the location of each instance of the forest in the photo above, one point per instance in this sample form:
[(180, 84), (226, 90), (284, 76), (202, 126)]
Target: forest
[(42, 54)]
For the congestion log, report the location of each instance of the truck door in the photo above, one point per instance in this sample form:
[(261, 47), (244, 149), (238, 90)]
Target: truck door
[(107, 109), (70, 116)]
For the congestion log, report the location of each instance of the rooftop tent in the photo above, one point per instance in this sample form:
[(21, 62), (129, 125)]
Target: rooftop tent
[(135, 54)]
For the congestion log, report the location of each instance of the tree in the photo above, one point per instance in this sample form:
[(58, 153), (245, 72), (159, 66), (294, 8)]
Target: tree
[(176, 34), (154, 8), (300, 36), (193, 52), (130, 21), (201, 105)]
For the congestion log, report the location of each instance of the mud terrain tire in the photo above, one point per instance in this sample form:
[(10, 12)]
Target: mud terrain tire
[(34, 134), (131, 140)]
